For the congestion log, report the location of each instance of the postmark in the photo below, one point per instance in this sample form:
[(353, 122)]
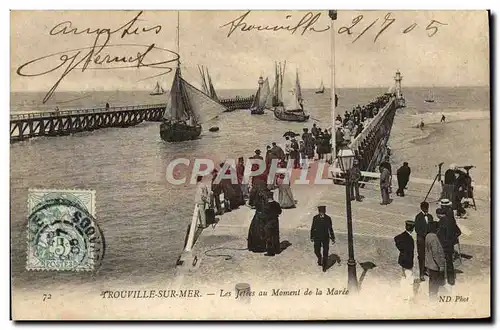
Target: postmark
[(63, 234)]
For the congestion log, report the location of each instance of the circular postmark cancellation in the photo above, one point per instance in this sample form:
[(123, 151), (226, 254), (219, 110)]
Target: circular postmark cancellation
[(63, 236)]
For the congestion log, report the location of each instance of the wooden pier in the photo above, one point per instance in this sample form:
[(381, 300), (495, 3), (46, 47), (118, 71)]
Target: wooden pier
[(65, 122), (237, 103), (370, 145)]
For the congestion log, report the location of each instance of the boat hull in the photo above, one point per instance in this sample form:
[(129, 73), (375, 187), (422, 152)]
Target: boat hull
[(176, 132), (320, 92), (284, 115), (429, 101), (257, 111)]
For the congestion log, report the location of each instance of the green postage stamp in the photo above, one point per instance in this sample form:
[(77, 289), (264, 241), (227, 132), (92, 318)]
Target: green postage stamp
[(63, 234)]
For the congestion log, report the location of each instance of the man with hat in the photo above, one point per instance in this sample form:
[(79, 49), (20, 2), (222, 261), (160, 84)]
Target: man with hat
[(406, 246), (448, 233), (449, 182), (321, 233), (422, 221), (355, 174)]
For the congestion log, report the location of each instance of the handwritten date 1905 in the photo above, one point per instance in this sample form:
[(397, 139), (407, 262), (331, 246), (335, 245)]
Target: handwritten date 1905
[(432, 27)]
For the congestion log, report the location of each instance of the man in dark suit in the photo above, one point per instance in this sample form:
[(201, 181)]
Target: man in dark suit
[(321, 233), (448, 233), (422, 228), (406, 246), (403, 175)]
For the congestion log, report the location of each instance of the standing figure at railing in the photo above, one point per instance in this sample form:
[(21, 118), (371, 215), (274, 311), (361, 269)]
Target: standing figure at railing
[(355, 174), (384, 185), (202, 199)]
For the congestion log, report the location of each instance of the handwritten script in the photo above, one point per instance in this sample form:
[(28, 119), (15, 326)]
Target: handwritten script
[(432, 27), (309, 22), (97, 55), (305, 24)]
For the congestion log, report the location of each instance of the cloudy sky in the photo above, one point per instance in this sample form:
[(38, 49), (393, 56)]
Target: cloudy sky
[(457, 54)]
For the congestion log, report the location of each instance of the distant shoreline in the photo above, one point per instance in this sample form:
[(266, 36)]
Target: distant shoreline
[(253, 88)]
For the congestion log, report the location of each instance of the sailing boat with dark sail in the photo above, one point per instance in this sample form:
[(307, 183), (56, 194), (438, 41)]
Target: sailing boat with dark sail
[(321, 89), (158, 90), (262, 98), (290, 99), (430, 98), (187, 108)]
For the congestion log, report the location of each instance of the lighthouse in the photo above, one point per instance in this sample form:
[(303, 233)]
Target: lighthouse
[(400, 101), (261, 82)]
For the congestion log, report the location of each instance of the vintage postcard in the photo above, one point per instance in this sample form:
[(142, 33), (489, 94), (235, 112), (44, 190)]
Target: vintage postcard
[(250, 165)]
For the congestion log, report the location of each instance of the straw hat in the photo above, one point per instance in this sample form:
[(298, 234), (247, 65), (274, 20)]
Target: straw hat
[(445, 202)]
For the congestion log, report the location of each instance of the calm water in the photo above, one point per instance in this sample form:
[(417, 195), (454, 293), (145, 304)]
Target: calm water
[(144, 218)]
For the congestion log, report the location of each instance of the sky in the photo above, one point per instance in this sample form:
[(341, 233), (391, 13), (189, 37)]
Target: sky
[(456, 55)]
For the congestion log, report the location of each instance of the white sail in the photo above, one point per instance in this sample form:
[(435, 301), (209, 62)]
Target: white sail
[(289, 92), (187, 103), (298, 88), (322, 87), (202, 107), (264, 94), (269, 100)]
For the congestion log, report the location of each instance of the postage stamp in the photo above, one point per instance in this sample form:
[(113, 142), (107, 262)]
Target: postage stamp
[(63, 234)]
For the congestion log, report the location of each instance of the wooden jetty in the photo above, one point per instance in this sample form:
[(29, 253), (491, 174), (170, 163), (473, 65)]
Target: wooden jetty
[(65, 122), (370, 146), (237, 103)]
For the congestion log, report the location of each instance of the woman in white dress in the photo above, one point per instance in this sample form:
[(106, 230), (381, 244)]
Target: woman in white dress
[(285, 195)]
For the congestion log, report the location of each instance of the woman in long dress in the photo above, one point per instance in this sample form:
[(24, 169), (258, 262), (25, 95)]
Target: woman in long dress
[(256, 232), (285, 195), (272, 210)]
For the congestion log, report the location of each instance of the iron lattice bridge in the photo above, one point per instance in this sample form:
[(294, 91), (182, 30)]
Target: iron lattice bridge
[(56, 123)]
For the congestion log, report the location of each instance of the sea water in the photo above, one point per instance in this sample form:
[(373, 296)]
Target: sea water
[(144, 218)]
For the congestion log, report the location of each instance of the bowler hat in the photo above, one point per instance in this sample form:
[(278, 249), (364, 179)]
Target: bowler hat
[(322, 208), (410, 222)]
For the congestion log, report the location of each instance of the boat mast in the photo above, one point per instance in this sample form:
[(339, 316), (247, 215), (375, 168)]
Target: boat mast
[(178, 42)]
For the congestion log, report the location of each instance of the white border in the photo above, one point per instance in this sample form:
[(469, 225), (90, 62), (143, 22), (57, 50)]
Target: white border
[(185, 4)]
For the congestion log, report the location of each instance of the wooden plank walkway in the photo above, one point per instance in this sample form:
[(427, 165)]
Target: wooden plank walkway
[(374, 227)]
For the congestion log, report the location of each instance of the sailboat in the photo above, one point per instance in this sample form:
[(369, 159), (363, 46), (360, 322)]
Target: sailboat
[(158, 90), (206, 83), (262, 98), (321, 89), (430, 98), (187, 107), (290, 106)]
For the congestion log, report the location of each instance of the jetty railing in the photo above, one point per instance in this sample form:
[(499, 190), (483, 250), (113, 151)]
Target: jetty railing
[(369, 128), (237, 102), (55, 123), (78, 111)]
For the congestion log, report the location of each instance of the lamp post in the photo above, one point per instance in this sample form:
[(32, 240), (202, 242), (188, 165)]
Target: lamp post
[(333, 17), (346, 161)]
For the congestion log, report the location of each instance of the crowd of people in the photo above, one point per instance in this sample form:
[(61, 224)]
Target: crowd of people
[(435, 245)]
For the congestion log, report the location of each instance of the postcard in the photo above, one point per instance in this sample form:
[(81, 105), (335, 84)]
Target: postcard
[(250, 165)]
